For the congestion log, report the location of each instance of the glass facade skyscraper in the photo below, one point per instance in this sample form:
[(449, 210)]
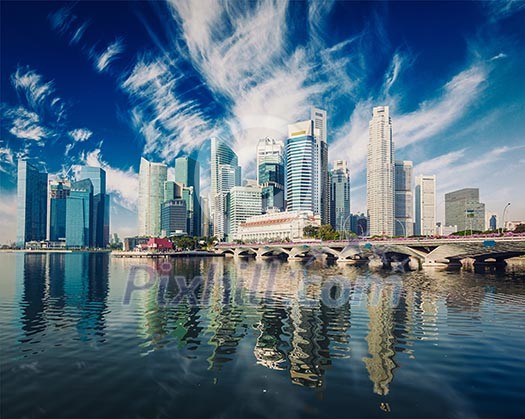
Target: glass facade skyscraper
[(79, 214), (174, 218), (100, 208), (187, 173), (270, 173), (31, 204), (151, 195), (404, 200), (58, 193), (340, 196)]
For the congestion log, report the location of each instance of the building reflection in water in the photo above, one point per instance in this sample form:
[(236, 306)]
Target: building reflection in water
[(55, 283), (380, 364)]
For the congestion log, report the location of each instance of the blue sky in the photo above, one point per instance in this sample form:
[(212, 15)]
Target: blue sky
[(102, 83)]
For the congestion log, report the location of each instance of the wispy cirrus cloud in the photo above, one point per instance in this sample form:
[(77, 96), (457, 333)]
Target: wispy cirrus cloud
[(436, 115), (66, 23), (121, 184), (104, 59), (40, 95), (25, 124), (80, 134), (7, 162), (168, 123)]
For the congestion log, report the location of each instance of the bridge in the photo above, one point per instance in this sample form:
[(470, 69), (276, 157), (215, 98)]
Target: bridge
[(412, 252)]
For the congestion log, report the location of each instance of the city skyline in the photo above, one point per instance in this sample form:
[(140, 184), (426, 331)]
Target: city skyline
[(459, 115)]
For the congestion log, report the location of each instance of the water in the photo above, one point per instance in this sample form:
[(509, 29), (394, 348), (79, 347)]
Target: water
[(255, 339)]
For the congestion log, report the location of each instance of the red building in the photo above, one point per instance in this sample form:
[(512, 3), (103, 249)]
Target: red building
[(157, 244)]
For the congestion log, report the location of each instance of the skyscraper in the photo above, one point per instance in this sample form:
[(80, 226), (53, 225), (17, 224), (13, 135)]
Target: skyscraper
[(174, 218), (404, 200), (187, 173), (463, 209), (151, 195), (58, 193), (79, 214), (243, 202), (100, 209), (340, 196), (31, 204), (225, 173), (307, 167), (270, 173), (380, 174), (425, 205), (320, 118), (227, 179)]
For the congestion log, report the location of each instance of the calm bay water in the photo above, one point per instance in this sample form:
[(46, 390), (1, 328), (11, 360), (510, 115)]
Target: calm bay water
[(224, 338)]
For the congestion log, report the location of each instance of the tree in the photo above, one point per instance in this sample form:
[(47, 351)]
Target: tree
[(311, 231), (520, 228)]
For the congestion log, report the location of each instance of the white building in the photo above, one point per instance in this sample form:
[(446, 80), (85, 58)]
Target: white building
[(511, 225), (443, 230), (425, 205), (243, 202), (380, 174), (320, 118), (277, 226), (226, 180), (224, 163), (404, 200), (151, 195)]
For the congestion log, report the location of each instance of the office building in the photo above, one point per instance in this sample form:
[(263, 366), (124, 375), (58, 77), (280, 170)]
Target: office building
[(306, 168), (404, 200), (493, 222), (31, 204), (380, 174), (270, 173), (100, 208), (243, 202), (187, 174), (79, 214), (151, 195), (174, 218), (277, 226), (172, 190), (58, 193), (320, 119), (463, 209), (225, 174), (188, 197), (425, 205), (206, 228), (340, 196), (359, 224)]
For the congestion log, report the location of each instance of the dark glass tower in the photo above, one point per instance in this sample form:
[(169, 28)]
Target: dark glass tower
[(100, 209), (187, 173), (31, 205)]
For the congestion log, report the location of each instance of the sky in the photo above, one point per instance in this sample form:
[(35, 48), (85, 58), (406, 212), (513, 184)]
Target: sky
[(104, 83)]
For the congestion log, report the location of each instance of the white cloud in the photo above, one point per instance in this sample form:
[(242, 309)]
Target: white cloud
[(80, 134), (122, 184), (7, 163), (168, 123), (436, 115), (26, 125), (111, 53), (7, 217)]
